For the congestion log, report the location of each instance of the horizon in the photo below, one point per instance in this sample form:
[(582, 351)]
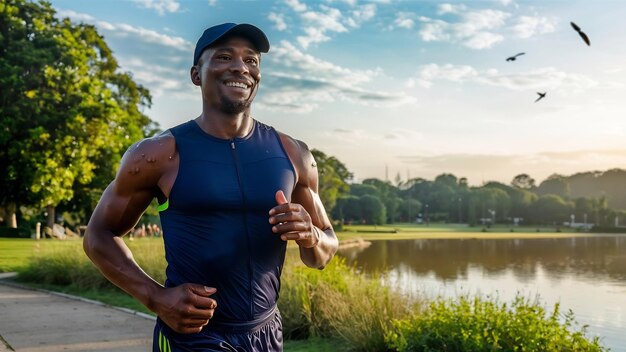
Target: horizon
[(401, 87)]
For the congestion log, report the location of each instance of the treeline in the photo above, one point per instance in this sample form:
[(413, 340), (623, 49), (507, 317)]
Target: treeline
[(580, 198), (67, 114)]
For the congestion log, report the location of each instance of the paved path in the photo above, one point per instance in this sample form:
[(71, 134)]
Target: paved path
[(37, 321)]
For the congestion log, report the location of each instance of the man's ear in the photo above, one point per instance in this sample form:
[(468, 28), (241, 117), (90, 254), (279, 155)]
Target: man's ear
[(195, 75)]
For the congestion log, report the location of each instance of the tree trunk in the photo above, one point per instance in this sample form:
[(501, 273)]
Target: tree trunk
[(50, 210), (12, 215)]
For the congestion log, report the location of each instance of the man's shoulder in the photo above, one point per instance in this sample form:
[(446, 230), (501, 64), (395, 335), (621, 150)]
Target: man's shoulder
[(291, 142), (150, 154)]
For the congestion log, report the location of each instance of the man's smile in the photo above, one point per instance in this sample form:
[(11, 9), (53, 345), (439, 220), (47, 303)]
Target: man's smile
[(238, 84)]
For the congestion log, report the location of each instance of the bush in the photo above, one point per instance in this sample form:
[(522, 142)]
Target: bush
[(11, 232), (340, 303), (485, 325)]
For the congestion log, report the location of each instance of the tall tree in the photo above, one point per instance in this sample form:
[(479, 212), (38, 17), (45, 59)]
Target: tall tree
[(333, 178), (65, 108), (523, 181), (554, 184)]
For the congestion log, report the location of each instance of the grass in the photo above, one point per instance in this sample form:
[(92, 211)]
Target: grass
[(331, 310), (15, 253), (439, 231)]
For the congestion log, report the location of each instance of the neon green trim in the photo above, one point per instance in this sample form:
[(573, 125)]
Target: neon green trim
[(164, 343), (164, 206)]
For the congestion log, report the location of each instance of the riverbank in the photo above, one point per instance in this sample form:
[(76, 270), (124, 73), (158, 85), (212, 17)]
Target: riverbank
[(407, 232)]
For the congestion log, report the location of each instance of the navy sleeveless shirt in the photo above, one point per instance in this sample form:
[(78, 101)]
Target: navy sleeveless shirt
[(216, 225)]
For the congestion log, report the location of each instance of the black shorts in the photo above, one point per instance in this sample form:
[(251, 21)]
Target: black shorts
[(265, 337)]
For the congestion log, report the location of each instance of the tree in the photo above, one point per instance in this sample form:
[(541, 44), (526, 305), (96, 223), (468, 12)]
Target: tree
[(551, 209), (373, 209), (347, 208), (388, 195), (523, 181), (66, 110), (333, 178), (554, 184)]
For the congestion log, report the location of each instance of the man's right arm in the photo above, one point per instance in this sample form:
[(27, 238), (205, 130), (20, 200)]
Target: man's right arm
[(186, 308)]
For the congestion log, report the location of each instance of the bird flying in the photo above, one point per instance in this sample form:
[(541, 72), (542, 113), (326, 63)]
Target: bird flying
[(581, 33), (541, 96), (514, 57)]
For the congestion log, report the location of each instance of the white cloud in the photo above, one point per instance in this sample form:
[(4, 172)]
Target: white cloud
[(75, 16), (161, 6), (279, 21), (449, 8), (306, 81), (317, 24), (528, 26), (150, 36), (157, 78), (140, 33), (363, 13), (543, 78), (475, 29), (403, 20), (483, 40), (212, 2), (296, 5)]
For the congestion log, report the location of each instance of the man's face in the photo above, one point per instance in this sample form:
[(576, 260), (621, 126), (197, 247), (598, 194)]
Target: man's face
[(229, 74)]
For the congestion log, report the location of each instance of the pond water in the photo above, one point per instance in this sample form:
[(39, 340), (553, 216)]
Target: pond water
[(584, 274)]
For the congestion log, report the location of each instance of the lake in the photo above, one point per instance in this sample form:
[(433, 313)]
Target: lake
[(584, 274)]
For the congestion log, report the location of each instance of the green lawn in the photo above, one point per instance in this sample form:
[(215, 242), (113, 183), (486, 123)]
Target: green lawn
[(16, 252)]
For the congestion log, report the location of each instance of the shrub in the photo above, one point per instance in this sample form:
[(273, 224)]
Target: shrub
[(486, 325)]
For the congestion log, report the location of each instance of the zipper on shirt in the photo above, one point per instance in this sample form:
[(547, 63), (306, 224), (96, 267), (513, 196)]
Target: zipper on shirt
[(245, 219)]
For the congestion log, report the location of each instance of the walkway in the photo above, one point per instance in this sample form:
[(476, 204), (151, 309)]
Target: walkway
[(37, 321)]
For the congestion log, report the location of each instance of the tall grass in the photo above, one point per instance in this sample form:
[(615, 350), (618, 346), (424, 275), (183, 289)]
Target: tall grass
[(343, 305), (340, 303)]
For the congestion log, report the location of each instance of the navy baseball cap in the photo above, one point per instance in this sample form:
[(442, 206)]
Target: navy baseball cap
[(212, 34)]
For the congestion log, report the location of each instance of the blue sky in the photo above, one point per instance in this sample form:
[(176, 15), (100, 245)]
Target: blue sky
[(415, 88)]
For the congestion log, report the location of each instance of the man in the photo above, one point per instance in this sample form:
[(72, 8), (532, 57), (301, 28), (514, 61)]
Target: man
[(232, 193)]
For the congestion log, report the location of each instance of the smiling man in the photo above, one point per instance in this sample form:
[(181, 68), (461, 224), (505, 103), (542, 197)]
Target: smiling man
[(232, 192)]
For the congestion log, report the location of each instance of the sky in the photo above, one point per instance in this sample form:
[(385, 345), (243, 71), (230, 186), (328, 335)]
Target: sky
[(403, 89)]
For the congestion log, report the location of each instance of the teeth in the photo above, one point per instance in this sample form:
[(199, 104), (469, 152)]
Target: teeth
[(237, 84)]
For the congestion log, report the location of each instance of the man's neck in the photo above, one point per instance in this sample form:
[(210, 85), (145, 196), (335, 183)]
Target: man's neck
[(225, 126)]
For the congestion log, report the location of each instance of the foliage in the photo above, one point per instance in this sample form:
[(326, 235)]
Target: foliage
[(354, 311), (338, 303), (485, 325), (333, 178), (67, 113)]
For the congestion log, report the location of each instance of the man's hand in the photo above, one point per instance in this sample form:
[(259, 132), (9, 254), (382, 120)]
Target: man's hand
[(293, 222), (186, 308)]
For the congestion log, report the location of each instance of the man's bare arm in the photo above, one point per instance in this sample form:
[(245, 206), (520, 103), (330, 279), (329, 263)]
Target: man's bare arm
[(304, 219), (117, 212), (145, 172)]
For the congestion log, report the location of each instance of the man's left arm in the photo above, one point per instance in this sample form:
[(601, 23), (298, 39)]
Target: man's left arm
[(304, 219)]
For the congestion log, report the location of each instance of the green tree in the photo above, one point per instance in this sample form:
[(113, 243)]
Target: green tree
[(373, 209), (66, 110), (554, 184), (551, 208), (389, 195), (347, 209), (333, 179), (523, 181)]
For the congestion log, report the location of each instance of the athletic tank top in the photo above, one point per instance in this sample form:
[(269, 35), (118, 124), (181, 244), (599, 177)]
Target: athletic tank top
[(216, 224)]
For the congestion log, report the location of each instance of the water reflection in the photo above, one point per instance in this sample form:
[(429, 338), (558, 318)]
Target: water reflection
[(450, 259), (584, 274)]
